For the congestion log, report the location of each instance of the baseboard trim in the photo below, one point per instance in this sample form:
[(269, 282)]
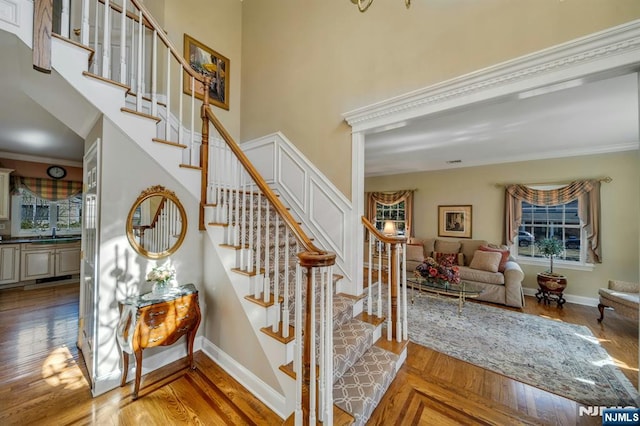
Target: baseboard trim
[(170, 354), (571, 298), (265, 393)]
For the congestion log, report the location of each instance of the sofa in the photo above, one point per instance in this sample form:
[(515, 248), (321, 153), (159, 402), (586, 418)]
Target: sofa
[(487, 265)]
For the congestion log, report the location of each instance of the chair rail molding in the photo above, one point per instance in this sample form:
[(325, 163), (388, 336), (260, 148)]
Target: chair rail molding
[(616, 48)]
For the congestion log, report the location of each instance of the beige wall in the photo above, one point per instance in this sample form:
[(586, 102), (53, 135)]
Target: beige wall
[(218, 25), (305, 65), (477, 186)]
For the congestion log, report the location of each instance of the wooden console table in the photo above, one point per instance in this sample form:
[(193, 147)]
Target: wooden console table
[(150, 320)]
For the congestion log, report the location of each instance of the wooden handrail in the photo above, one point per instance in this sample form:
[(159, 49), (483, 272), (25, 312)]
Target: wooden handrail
[(146, 15), (130, 15), (264, 188), (391, 239)]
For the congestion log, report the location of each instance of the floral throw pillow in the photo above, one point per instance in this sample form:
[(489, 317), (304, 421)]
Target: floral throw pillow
[(446, 259)]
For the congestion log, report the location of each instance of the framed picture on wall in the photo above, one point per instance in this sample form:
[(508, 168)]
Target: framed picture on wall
[(207, 62), (454, 221)]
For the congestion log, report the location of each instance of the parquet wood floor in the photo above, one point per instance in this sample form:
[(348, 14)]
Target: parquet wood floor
[(43, 380)]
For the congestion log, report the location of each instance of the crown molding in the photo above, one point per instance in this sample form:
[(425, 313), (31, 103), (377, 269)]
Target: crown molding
[(36, 159), (614, 48)]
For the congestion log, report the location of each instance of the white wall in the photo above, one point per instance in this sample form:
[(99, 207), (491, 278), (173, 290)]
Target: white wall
[(126, 172)]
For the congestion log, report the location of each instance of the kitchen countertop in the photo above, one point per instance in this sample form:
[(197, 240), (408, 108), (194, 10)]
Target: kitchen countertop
[(41, 240)]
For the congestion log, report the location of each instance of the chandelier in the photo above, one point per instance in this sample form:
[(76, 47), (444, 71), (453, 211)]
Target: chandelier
[(363, 5)]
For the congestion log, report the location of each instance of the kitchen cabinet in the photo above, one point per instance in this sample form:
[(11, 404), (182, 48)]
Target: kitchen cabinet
[(5, 205), (9, 263), (49, 260)]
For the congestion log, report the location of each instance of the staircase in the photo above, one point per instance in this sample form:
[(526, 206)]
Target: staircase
[(331, 359)]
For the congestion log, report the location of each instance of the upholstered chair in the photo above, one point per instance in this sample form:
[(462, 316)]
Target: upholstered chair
[(622, 296)]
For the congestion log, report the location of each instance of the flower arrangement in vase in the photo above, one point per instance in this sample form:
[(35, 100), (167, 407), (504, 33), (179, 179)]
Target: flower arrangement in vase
[(438, 273), (162, 277)]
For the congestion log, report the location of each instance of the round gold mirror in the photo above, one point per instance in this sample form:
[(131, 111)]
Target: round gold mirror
[(157, 223)]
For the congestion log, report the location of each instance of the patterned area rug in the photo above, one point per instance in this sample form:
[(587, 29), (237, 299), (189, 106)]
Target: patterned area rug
[(561, 358)]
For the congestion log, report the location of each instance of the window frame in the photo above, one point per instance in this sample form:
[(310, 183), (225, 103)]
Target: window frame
[(379, 225), (580, 264), (16, 218)]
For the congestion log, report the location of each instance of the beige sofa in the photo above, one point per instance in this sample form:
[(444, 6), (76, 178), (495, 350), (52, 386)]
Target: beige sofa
[(622, 296), (498, 287)]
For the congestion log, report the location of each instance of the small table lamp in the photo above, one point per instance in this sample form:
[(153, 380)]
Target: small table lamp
[(389, 228)]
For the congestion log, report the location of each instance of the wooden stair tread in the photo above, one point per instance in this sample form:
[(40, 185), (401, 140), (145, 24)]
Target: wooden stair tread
[(77, 44), (166, 142), (233, 247), (189, 166), (141, 114), (261, 301), (370, 319), (392, 346), (146, 98), (246, 273), (278, 336), (106, 80)]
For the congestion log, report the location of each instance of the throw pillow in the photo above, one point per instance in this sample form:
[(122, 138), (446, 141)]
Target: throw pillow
[(458, 260), (446, 259), (444, 246), (505, 256), (415, 252), (486, 261)]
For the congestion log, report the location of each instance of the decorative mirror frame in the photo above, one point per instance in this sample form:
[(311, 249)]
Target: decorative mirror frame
[(154, 191)]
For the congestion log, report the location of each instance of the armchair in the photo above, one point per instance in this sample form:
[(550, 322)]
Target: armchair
[(622, 296)]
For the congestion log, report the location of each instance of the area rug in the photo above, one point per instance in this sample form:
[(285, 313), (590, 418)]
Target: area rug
[(565, 359)]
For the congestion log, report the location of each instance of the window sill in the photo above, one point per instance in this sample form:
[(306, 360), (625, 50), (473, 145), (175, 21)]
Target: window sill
[(560, 264)]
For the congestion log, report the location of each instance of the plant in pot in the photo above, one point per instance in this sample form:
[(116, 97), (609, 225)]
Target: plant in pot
[(548, 280)]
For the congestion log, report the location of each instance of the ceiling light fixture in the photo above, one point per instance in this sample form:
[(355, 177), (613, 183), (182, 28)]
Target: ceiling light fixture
[(363, 5)]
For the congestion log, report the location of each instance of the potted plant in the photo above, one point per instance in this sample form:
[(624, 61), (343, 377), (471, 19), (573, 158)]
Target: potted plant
[(548, 280)]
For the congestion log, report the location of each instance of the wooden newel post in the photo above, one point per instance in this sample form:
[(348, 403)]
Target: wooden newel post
[(309, 261), (204, 153), (42, 28)]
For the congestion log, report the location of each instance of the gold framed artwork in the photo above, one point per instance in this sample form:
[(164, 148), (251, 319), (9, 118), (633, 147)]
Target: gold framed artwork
[(207, 62), (454, 221)]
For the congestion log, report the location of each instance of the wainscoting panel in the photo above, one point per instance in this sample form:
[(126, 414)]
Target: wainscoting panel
[(323, 213), (323, 210), (292, 177)]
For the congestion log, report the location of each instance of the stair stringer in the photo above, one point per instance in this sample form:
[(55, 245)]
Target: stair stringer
[(259, 316), (70, 61)]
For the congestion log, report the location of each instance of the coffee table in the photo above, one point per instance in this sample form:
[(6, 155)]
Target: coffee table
[(462, 290)]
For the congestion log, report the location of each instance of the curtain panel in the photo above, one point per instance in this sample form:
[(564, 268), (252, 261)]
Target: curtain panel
[(389, 199), (587, 192), (49, 189)]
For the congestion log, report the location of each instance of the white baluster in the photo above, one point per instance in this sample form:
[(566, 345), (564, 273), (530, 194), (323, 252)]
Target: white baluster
[(180, 112), (267, 273), (329, 351), (123, 43), (64, 19), (276, 273), (321, 335), (96, 33), (379, 247), (154, 74), (405, 329), (243, 227), (312, 340), (237, 219), (389, 284), (167, 121), (193, 125), (297, 359), (106, 41), (133, 56), (84, 25), (285, 308), (258, 287), (251, 232), (398, 293), (139, 63), (370, 276)]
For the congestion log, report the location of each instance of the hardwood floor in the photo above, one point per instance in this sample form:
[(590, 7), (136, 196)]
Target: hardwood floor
[(43, 380)]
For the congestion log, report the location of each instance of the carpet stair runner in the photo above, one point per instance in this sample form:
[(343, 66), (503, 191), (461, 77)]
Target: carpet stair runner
[(362, 370)]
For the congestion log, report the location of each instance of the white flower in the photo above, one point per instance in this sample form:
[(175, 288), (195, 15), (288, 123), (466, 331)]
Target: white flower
[(163, 273)]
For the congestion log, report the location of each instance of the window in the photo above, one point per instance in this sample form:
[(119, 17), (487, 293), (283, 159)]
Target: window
[(394, 213), (559, 221), (39, 216)]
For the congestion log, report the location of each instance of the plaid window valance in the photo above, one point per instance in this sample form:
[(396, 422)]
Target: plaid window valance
[(49, 189)]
